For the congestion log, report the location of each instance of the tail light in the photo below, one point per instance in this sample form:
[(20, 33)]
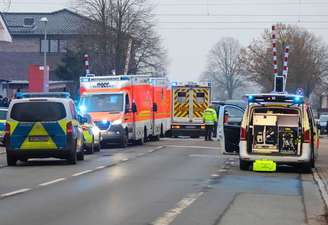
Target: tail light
[(69, 128), (243, 134), (306, 136), (7, 130)]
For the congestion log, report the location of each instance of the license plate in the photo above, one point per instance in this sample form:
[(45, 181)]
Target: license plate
[(264, 166), (190, 127), (38, 139)]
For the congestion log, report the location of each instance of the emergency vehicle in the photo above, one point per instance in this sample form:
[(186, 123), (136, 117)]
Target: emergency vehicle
[(127, 108), (42, 127), (189, 100), (3, 115)]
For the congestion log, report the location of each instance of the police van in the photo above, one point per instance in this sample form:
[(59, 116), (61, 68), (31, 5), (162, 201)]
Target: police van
[(42, 127), (277, 126)]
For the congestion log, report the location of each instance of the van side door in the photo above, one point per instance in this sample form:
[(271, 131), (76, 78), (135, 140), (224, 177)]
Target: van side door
[(229, 124)]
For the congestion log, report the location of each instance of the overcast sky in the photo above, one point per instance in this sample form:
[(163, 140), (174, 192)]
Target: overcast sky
[(189, 28)]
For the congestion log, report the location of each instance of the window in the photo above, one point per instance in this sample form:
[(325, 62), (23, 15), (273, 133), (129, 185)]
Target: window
[(54, 46), (127, 102), (47, 111), (73, 111), (3, 114), (28, 22), (103, 103), (182, 97), (44, 45), (200, 97), (62, 46), (235, 115)]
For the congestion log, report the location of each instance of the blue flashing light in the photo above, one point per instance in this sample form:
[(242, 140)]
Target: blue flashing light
[(125, 78), (174, 84), (297, 99), (83, 108), (104, 121), (250, 98)]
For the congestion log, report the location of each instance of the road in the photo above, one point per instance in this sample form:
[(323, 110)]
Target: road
[(174, 181)]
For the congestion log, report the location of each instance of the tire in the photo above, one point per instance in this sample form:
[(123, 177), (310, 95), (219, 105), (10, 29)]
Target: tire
[(306, 167), (90, 150), (11, 161), (140, 141), (124, 142), (72, 158), (97, 148), (244, 165), (80, 155)]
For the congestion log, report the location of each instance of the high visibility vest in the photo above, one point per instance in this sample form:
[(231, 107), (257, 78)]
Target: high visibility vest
[(210, 116)]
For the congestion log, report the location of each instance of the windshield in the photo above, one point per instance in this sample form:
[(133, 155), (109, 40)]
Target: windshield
[(46, 111), (3, 114), (324, 118), (102, 103)]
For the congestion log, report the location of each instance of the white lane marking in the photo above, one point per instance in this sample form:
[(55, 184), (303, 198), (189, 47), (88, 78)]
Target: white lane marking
[(100, 167), (222, 170), (124, 160), (193, 147), (81, 173), (172, 214), (20, 191), (140, 154), (215, 175), (322, 186), (52, 182)]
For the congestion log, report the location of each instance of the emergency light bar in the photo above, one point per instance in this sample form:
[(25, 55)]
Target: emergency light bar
[(281, 98), (46, 95)]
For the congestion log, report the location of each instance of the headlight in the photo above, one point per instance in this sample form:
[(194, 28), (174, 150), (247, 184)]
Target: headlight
[(117, 122), (83, 108)]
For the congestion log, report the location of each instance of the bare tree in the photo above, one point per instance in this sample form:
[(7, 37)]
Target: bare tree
[(308, 59), (224, 67), (114, 23)]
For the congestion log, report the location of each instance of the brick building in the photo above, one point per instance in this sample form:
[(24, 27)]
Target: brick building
[(63, 29)]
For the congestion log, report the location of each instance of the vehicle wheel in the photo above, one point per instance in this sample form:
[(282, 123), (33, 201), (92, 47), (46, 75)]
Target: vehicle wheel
[(306, 167), (72, 157), (140, 141), (80, 155), (243, 165), (11, 161), (91, 149), (97, 147), (312, 160), (124, 142)]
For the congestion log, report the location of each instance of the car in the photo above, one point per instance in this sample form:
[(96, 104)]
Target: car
[(323, 120), (276, 126), (42, 127), (91, 135), (3, 116)]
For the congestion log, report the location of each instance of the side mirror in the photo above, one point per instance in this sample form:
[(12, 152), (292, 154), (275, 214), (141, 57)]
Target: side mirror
[(155, 107), (134, 107), (127, 108)]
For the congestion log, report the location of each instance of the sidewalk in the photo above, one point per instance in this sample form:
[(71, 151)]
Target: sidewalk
[(321, 171)]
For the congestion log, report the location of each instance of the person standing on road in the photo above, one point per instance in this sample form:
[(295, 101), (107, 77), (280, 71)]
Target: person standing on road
[(210, 119)]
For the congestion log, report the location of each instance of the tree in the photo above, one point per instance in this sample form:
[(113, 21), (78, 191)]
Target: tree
[(113, 24), (308, 55), (71, 68), (224, 67)]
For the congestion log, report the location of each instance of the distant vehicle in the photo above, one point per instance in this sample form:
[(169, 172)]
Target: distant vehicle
[(91, 135), (127, 108), (189, 100), (323, 123), (277, 127), (3, 116), (42, 127)]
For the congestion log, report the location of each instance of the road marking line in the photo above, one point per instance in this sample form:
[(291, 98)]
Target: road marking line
[(322, 186), (140, 154), (81, 173), (172, 214), (194, 147), (15, 192), (215, 175), (124, 160), (222, 170), (52, 182), (100, 167)]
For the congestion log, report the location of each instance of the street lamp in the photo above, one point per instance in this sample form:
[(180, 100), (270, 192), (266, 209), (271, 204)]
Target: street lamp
[(45, 21)]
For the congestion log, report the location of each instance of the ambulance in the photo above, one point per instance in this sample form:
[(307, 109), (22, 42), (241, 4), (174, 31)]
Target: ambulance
[(189, 101), (127, 108)]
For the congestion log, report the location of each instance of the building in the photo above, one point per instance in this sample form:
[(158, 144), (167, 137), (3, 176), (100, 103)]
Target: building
[(28, 45)]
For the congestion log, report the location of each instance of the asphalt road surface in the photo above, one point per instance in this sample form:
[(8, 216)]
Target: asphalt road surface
[(174, 181)]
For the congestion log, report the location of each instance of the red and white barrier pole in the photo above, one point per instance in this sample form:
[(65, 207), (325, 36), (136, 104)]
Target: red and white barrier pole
[(286, 54), (86, 64), (274, 51)]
